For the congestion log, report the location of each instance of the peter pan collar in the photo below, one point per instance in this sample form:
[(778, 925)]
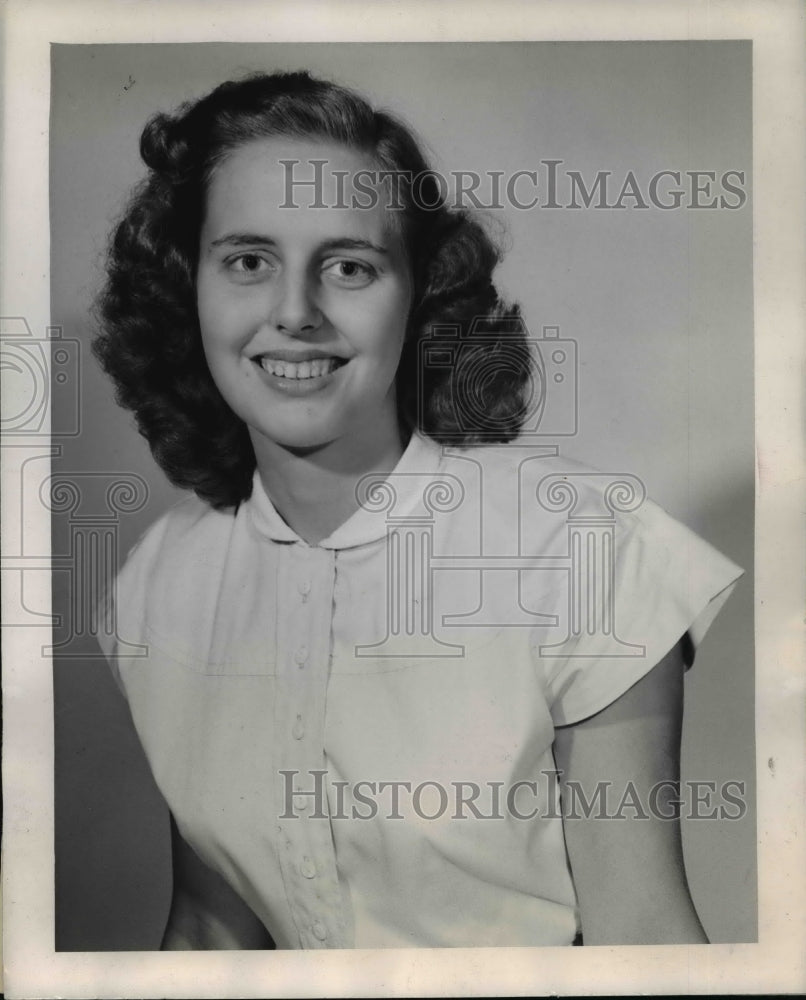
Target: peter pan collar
[(386, 498)]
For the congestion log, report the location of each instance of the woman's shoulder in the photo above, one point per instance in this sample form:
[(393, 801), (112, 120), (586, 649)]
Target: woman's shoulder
[(545, 494), (549, 487), (191, 531), (181, 553)]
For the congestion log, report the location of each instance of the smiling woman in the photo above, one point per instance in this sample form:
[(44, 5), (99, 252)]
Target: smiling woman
[(340, 386), (237, 259)]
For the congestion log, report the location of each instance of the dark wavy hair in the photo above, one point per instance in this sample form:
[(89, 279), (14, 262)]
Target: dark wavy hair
[(149, 340)]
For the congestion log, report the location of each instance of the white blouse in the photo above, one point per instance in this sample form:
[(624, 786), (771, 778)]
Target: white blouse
[(357, 735)]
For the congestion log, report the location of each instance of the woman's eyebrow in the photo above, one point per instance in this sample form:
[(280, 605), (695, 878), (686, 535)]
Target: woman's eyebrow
[(337, 243), (352, 243), (243, 240)]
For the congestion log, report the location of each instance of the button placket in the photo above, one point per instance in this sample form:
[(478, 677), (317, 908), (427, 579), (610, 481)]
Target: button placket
[(307, 854)]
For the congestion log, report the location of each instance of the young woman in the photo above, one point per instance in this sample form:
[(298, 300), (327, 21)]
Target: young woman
[(386, 649)]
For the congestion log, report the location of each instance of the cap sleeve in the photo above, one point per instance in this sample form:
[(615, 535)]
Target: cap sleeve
[(666, 583)]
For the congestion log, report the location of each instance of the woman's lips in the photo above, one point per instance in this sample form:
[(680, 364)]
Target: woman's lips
[(314, 368), (299, 377)]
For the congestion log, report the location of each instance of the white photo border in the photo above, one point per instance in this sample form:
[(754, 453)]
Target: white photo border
[(32, 968)]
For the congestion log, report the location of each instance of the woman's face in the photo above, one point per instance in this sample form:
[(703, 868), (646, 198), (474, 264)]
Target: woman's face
[(303, 309)]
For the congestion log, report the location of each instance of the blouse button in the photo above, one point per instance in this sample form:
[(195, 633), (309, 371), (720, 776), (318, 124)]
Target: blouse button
[(299, 729), (301, 656), (319, 930), (304, 587), (308, 868)]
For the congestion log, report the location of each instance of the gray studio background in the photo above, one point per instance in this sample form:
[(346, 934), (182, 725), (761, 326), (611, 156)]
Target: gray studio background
[(659, 302)]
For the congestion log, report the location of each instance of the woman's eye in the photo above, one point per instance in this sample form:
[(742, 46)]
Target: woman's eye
[(352, 273), (248, 265)]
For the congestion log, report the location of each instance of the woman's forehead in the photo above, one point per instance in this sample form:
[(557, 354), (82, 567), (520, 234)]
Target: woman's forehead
[(290, 183)]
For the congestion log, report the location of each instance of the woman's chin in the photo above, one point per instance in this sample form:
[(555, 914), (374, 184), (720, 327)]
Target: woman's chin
[(298, 440)]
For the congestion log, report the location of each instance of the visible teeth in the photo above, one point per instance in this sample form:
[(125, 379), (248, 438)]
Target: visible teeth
[(298, 370)]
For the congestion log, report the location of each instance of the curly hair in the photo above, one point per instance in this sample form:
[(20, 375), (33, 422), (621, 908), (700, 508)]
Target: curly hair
[(149, 340)]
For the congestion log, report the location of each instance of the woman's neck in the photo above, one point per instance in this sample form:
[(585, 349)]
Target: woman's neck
[(314, 490)]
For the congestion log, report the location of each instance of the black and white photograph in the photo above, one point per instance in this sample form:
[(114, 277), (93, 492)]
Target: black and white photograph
[(394, 442)]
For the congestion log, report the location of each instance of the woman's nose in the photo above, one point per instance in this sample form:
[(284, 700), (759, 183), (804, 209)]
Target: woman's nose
[(294, 309)]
